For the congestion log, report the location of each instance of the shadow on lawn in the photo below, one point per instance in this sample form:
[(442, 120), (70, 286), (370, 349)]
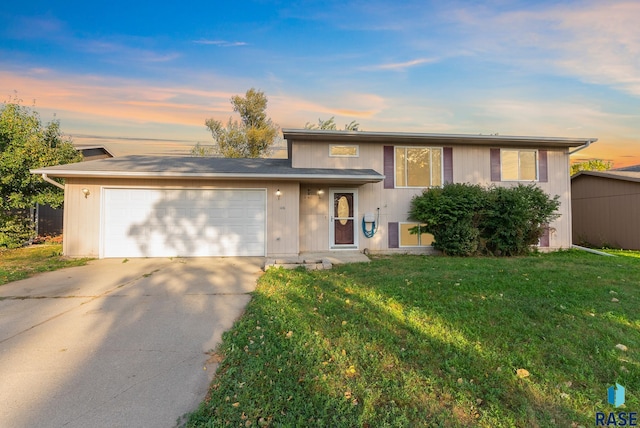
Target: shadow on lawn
[(375, 347), (480, 328), (416, 366)]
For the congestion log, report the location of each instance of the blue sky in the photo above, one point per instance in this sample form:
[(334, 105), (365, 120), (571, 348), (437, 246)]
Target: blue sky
[(149, 70)]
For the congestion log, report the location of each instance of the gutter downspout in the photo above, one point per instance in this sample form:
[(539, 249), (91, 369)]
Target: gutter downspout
[(591, 250), (584, 146), (49, 180)]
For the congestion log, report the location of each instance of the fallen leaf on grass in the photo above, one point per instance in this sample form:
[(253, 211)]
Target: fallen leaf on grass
[(522, 373), (621, 347)]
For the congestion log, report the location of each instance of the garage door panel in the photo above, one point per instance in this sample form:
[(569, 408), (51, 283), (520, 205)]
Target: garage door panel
[(218, 213), (188, 223)]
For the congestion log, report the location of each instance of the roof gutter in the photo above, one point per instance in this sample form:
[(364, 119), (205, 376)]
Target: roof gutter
[(49, 180), (365, 178), (584, 146)]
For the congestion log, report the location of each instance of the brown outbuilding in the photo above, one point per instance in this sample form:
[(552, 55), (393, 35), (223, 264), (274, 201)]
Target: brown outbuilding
[(606, 208)]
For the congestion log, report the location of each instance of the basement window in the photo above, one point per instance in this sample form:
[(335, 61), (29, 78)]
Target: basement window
[(408, 239)]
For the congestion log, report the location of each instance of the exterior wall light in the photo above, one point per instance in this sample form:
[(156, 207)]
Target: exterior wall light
[(278, 193), (86, 192), (320, 192)]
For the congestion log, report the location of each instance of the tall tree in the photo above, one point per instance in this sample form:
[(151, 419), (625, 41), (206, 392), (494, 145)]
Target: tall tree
[(252, 137), (330, 125), (25, 143), (591, 165)]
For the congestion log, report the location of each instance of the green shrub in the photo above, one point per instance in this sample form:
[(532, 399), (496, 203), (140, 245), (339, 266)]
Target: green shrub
[(15, 230), (451, 214), (467, 219), (514, 218)]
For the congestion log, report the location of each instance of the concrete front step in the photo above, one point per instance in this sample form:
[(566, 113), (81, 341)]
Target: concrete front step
[(295, 263)]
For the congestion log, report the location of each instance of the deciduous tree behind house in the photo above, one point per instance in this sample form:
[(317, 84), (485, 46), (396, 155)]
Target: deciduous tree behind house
[(252, 137), (25, 143), (591, 165)]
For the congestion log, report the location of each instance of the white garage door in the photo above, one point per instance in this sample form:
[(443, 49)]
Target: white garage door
[(183, 223)]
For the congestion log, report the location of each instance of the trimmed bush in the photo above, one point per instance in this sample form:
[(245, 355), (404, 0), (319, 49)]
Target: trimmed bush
[(452, 215), (514, 218), (468, 219)]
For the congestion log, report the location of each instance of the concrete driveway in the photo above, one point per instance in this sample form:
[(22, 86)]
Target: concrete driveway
[(116, 343)]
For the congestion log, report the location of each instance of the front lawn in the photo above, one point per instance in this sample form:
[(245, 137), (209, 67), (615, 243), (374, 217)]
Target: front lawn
[(21, 263), (433, 341)]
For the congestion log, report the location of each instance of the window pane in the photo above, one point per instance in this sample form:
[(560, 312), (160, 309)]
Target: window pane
[(406, 238), (350, 151), (400, 167), (436, 167), (509, 162), (528, 165), (426, 239), (418, 174)]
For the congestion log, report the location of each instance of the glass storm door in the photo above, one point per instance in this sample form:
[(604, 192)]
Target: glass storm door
[(343, 220)]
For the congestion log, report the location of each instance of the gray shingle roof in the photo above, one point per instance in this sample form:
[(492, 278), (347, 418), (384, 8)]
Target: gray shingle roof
[(612, 174), (205, 168), (629, 168), (346, 137)]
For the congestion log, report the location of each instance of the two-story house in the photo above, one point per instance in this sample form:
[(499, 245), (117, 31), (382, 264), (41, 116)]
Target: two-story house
[(337, 190)]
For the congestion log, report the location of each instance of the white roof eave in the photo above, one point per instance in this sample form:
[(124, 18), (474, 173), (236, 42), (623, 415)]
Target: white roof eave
[(210, 176)]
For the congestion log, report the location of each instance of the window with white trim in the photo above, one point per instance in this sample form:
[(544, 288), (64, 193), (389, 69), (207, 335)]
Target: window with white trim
[(418, 166), (344, 150), (519, 165), (408, 239)]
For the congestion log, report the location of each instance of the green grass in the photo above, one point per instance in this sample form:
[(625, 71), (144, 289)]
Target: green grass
[(626, 253), (432, 341), (21, 263)]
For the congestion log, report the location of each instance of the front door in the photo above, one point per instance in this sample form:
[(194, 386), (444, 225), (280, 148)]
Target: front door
[(343, 218)]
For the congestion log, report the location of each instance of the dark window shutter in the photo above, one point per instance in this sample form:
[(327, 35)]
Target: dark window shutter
[(447, 164), (495, 164), (543, 174), (544, 239), (392, 231), (389, 169)]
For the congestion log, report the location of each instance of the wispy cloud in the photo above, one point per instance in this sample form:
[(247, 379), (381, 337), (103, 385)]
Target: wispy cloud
[(114, 49), (115, 100), (221, 43), (401, 66), (36, 27), (597, 42), (119, 52)]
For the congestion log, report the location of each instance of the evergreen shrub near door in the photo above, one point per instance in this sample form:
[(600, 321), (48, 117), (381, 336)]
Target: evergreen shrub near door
[(467, 219)]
